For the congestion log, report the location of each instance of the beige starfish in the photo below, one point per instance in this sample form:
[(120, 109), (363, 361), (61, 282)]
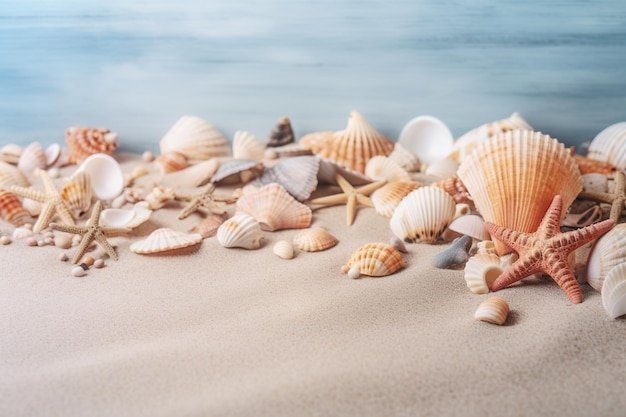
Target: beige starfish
[(617, 199), (90, 232), (51, 199), (350, 196), (206, 200)]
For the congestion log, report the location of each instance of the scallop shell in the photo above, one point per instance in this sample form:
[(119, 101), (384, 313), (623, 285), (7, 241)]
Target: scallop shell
[(107, 178), (274, 208), (237, 171), (387, 198), (195, 176), (423, 215), (33, 157), (316, 142), (297, 175), (610, 146), (481, 270), (281, 134), (172, 161), (165, 239), (614, 291), (247, 146), (442, 168), (405, 158), (328, 171), (314, 239), (519, 172), (195, 138), (283, 249), (608, 252), (382, 168), (53, 154), (427, 137), (209, 225), (77, 194), (83, 142), (471, 225), (11, 209), (11, 153), (493, 310), (455, 187), (240, 231), (11, 175), (374, 260)]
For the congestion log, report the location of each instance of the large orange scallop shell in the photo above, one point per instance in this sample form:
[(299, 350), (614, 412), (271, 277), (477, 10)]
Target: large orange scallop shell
[(83, 142), (374, 260), (11, 209)]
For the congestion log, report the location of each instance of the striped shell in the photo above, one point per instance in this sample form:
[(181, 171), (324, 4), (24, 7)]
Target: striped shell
[(33, 156), (493, 310), (83, 142), (283, 249), (297, 175), (374, 260), (209, 225), (387, 198), (314, 239), (382, 168), (11, 209), (608, 252), (165, 239), (195, 138), (172, 161), (247, 146), (481, 270), (281, 134), (11, 175), (240, 231), (614, 291), (610, 146), (405, 158), (77, 194), (455, 187), (10, 153)]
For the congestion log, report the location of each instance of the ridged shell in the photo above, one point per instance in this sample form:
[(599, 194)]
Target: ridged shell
[(481, 270), (455, 187), (493, 310), (374, 260), (591, 166), (33, 157), (77, 194), (11, 175), (614, 291), (195, 176), (423, 215), (466, 144), (328, 171), (314, 239), (316, 142), (165, 239), (274, 208), (519, 172), (11, 209), (237, 171), (608, 252), (10, 153), (281, 134), (387, 197), (172, 161), (610, 146), (83, 142), (283, 249), (247, 146), (297, 175), (195, 138), (471, 225), (427, 137), (209, 225), (53, 154), (405, 158), (240, 231), (382, 168)]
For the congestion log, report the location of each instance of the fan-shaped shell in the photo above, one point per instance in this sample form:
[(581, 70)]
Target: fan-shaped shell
[(423, 215), (428, 137), (387, 197), (11, 209), (405, 158), (274, 208), (374, 260), (237, 171), (247, 146), (481, 270), (165, 239), (283, 249), (83, 142), (614, 291), (314, 239), (10, 153), (281, 134), (297, 175), (382, 168), (195, 138), (471, 225), (77, 194), (514, 177), (53, 154), (11, 175), (172, 161), (240, 231), (610, 146), (493, 310), (455, 187), (608, 252), (33, 156)]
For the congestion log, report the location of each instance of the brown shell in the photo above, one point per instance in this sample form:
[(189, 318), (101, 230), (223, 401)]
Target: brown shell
[(282, 134), (85, 141), (314, 239), (593, 166), (11, 209), (375, 260), (455, 187)]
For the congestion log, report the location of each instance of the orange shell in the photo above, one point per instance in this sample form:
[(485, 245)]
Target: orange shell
[(455, 187), (375, 260), (387, 198), (11, 209), (593, 166), (86, 141), (172, 161), (314, 239)]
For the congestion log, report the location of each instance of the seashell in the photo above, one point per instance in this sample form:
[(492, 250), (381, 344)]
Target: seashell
[(398, 244), (237, 171), (158, 197), (466, 144), (297, 175), (316, 142), (77, 194), (374, 260), (382, 168), (209, 225), (427, 137), (240, 231), (107, 178), (387, 197), (138, 172), (328, 171), (608, 252), (195, 176), (22, 233), (442, 169), (11, 209), (481, 270), (274, 208), (281, 134), (283, 249), (53, 153), (123, 218), (11, 175), (423, 215), (457, 254), (405, 158), (486, 246), (286, 151), (610, 146), (590, 166), (314, 239), (471, 225), (172, 161), (83, 142), (592, 215), (195, 138), (614, 291), (165, 239), (493, 310), (519, 172), (147, 156), (10, 153), (355, 145), (246, 146), (33, 156), (455, 187)]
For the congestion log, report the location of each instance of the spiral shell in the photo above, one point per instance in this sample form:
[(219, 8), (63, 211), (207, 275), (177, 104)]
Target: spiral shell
[(281, 134), (314, 239), (83, 142), (374, 260), (240, 231)]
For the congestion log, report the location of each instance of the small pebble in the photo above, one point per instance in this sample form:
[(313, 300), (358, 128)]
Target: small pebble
[(84, 266), (63, 257), (457, 254), (88, 260), (98, 263), (31, 241), (77, 271), (63, 241), (5, 240), (48, 241), (147, 156), (41, 243)]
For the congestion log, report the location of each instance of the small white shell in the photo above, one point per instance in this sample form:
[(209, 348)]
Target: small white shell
[(472, 225), (480, 272), (614, 291), (387, 197), (22, 233), (33, 156), (381, 167), (10, 153), (240, 231), (107, 178), (247, 146), (283, 249), (493, 310), (405, 158), (165, 239), (77, 193), (122, 218), (427, 137), (53, 153), (610, 146), (608, 252)]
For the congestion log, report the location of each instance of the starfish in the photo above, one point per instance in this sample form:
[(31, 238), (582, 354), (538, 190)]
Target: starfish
[(546, 250), (51, 199), (617, 200), (90, 232), (350, 196), (205, 199)]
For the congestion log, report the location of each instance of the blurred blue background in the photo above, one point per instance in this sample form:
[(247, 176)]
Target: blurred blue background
[(137, 66)]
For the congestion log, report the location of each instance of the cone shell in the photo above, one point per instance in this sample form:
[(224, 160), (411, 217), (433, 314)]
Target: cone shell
[(382, 168), (240, 231), (610, 146), (375, 260), (77, 194), (608, 252), (237, 171), (274, 208), (297, 175), (195, 138), (481, 270), (387, 198), (614, 291), (83, 142), (493, 310), (423, 215), (282, 134), (283, 249), (519, 172), (455, 187), (314, 239), (172, 161), (165, 239), (11, 175), (405, 158), (33, 156), (209, 225), (247, 146), (11, 209)]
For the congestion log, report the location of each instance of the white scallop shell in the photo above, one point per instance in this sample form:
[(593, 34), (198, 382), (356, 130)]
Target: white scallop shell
[(614, 291), (381, 167), (53, 153), (405, 158), (608, 252), (247, 146), (283, 249), (77, 193), (11, 175), (493, 310), (427, 137), (240, 231), (107, 178), (387, 197), (33, 156), (470, 224), (165, 239), (195, 138), (480, 272), (610, 146)]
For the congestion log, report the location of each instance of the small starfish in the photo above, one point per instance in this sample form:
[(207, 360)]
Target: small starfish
[(350, 196), (90, 232), (617, 199), (205, 199), (546, 250)]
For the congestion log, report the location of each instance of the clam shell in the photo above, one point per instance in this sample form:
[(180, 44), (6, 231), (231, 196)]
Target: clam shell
[(107, 178), (122, 218), (10, 153), (374, 260), (281, 134), (328, 171), (405, 158), (83, 142), (314, 239), (240, 231), (195, 176), (77, 194), (237, 171), (443, 168), (423, 215), (297, 175), (165, 239), (209, 225), (53, 153), (382, 168), (519, 172), (481, 270), (493, 310), (427, 137), (387, 197), (610, 146), (33, 156), (608, 252), (455, 187), (471, 225), (274, 208), (247, 146), (11, 209), (614, 291), (11, 175), (195, 138), (283, 249), (172, 161)]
